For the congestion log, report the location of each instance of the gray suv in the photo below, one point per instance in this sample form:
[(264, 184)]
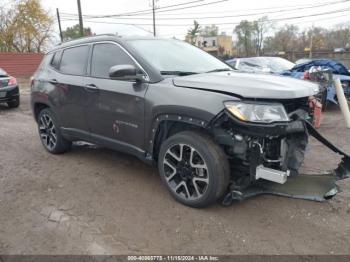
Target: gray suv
[(167, 102)]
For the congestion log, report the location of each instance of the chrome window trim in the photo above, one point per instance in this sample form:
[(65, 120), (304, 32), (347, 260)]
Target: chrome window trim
[(147, 78)]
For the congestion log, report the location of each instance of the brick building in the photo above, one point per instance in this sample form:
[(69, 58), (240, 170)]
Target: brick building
[(20, 64)]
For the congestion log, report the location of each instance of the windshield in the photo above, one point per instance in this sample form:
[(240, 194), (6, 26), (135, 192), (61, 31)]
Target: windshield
[(176, 57), (265, 64)]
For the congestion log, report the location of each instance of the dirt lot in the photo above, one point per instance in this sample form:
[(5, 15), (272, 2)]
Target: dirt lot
[(95, 201)]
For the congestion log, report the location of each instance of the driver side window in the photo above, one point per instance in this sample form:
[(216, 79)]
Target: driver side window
[(106, 55)]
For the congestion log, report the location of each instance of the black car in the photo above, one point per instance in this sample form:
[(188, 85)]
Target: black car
[(167, 102), (9, 91)]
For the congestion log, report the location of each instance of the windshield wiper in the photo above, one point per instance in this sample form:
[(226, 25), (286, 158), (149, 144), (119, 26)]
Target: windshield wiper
[(219, 70), (177, 73)]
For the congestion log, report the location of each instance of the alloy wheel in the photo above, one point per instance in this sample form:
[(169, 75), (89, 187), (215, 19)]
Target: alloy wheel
[(47, 131), (186, 172)]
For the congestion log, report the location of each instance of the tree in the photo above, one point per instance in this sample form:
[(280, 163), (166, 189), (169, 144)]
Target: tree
[(193, 32), (26, 27), (285, 39), (261, 28), (74, 32), (245, 32), (338, 37), (211, 30)]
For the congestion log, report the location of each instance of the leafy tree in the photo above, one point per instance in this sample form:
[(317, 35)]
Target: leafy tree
[(211, 30), (245, 33), (194, 31), (74, 32), (25, 27)]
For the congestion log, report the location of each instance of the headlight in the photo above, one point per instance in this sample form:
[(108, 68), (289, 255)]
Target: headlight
[(255, 112)]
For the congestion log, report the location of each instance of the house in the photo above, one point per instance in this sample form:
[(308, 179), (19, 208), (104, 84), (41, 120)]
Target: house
[(220, 45)]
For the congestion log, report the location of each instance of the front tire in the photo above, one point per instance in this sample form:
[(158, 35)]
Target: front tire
[(50, 134), (194, 168)]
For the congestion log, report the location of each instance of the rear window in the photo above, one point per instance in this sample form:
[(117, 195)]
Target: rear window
[(74, 60), (45, 62)]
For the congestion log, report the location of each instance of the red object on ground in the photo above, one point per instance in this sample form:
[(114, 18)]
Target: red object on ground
[(20, 64), (316, 108), (306, 75)]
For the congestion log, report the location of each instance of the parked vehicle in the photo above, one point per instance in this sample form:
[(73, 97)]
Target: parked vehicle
[(338, 69), (9, 91), (261, 64), (281, 66), (168, 102)]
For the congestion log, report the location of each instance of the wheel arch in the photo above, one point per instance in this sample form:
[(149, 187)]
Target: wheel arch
[(38, 107), (167, 125)]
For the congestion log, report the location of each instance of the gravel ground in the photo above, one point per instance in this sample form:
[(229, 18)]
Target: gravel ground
[(96, 201)]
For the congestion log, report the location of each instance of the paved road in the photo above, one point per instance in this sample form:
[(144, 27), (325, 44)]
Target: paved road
[(95, 201)]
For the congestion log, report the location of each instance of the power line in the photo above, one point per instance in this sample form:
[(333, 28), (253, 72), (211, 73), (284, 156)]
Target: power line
[(306, 21), (136, 12), (150, 11), (245, 10), (224, 23), (234, 16)]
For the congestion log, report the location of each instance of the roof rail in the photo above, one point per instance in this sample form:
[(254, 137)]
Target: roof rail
[(83, 37)]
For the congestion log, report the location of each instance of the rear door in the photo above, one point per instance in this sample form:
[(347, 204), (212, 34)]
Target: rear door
[(67, 78), (115, 111)]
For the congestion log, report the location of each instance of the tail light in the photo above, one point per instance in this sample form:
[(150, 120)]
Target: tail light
[(12, 81)]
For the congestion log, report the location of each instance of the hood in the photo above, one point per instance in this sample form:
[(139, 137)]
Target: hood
[(249, 85)]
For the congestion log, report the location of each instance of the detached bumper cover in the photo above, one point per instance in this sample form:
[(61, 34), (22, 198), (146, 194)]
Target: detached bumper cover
[(8, 94), (310, 187)]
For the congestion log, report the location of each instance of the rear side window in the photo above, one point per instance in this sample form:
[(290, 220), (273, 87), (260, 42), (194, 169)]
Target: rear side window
[(74, 59), (45, 62), (104, 56), (55, 62)]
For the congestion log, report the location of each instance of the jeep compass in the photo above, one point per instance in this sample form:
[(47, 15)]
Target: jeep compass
[(206, 126)]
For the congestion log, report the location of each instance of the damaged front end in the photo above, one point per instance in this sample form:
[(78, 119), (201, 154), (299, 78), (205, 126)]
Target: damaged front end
[(265, 157)]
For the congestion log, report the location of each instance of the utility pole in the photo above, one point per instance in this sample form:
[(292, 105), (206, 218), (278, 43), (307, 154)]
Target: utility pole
[(311, 40), (81, 27), (154, 17), (59, 24)]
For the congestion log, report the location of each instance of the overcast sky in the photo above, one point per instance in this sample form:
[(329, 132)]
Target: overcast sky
[(227, 14)]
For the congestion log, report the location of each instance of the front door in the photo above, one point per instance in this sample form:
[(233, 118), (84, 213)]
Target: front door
[(115, 111)]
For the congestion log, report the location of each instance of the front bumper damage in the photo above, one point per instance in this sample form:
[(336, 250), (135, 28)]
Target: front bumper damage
[(269, 159)]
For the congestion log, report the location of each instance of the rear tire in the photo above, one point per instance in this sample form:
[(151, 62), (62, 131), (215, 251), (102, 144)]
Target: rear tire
[(50, 134), (13, 104), (194, 168)]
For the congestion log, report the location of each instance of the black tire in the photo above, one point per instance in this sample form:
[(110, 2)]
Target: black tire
[(214, 168), (13, 104), (50, 134)]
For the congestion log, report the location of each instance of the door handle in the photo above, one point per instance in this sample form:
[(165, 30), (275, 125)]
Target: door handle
[(53, 81), (91, 87)]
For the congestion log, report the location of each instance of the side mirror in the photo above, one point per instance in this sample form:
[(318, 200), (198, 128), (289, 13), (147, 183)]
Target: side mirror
[(125, 72)]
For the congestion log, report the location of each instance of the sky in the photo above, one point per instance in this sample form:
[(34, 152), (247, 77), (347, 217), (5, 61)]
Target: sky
[(225, 13)]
